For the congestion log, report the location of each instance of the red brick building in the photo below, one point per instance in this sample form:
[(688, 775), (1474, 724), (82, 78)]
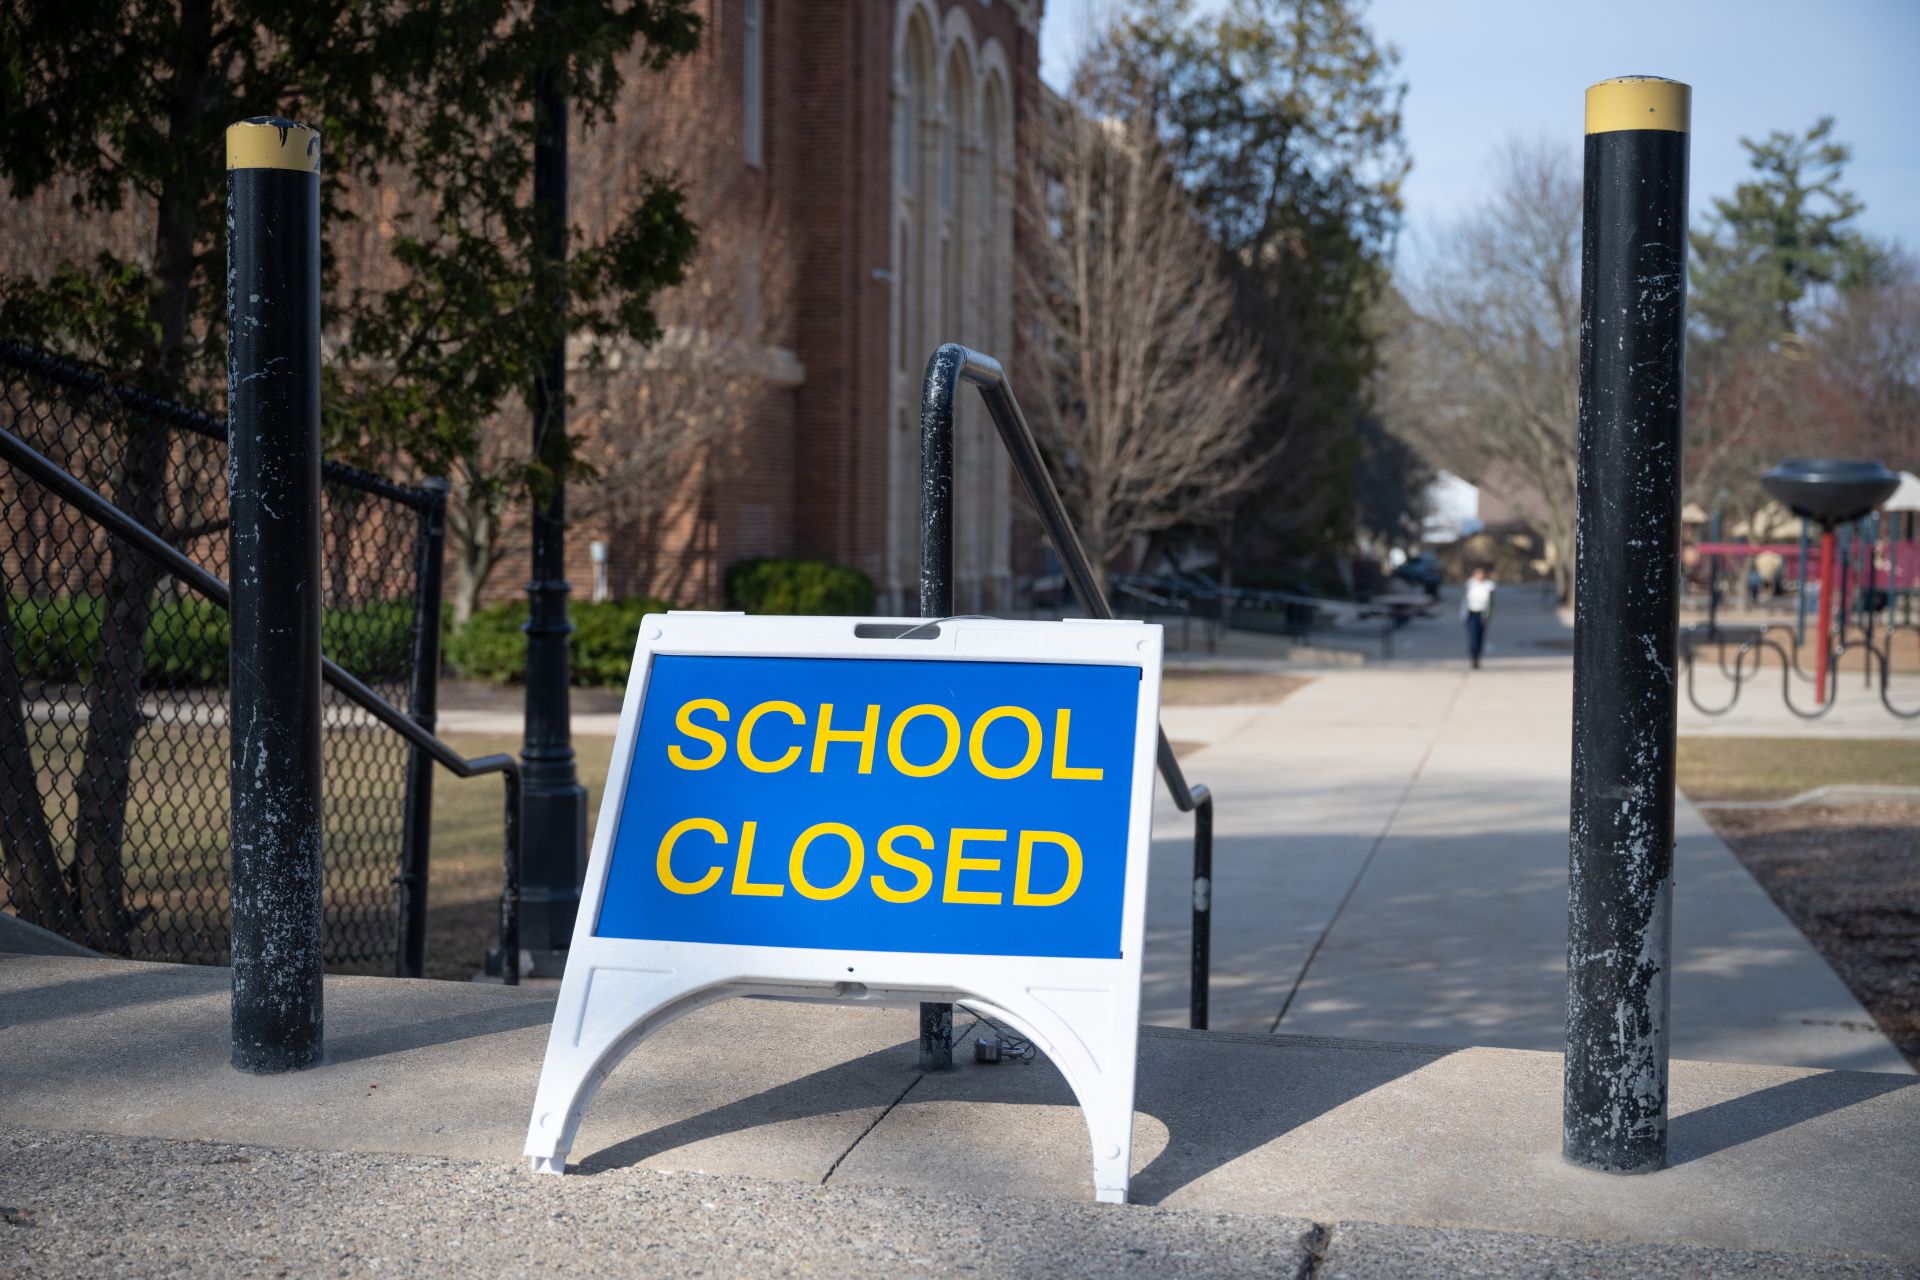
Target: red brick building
[(871, 148), (883, 139)]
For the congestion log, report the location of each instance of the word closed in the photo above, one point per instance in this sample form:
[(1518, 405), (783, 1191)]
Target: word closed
[(877, 805)]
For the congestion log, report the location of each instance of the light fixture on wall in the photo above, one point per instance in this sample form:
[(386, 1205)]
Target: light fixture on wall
[(597, 553)]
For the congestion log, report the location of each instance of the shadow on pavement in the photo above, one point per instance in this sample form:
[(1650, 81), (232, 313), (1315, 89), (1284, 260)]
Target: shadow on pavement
[(100, 993), (1755, 1115)]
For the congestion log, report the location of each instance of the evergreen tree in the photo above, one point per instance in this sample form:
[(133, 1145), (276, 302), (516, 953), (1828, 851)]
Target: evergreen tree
[(1779, 235), (1760, 268)]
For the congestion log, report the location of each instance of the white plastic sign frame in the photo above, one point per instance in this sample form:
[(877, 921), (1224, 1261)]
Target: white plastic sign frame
[(1082, 1012)]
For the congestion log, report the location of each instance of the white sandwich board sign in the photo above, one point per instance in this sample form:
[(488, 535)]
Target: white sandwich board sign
[(875, 811)]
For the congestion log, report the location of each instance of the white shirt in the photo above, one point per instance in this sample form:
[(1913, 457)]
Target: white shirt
[(1479, 597)]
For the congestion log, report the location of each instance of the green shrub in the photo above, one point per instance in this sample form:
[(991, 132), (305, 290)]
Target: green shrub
[(54, 639), (58, 640), (799, 586), (604, 634), (374, 642), (492, 647), (187, 643)]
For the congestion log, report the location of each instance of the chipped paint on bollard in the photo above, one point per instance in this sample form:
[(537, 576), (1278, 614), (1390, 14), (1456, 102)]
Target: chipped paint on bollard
[(1633, 330), (273, 487)]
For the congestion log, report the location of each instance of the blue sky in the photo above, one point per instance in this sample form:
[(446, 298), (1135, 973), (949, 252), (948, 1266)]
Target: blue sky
[(1478, 70)]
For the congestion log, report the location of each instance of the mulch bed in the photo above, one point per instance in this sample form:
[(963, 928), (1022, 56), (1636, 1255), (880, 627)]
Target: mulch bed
[(1849, 877)]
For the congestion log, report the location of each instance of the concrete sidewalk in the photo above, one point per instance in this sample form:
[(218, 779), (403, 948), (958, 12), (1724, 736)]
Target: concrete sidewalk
[(1391, 859), (1446, 1148), (1390, 862)]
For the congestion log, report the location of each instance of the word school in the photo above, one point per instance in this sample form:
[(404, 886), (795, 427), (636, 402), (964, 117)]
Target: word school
[(773, 798)]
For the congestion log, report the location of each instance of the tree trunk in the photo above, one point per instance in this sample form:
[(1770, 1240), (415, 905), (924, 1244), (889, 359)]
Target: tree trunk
[(474, 537), (343, 512), (1559, 533), (29, 860), (1095, 546), (114, 714)]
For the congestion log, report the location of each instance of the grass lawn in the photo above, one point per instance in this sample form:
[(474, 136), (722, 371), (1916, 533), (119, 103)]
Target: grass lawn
[(463, 899), (1775, 768), (174, 844)]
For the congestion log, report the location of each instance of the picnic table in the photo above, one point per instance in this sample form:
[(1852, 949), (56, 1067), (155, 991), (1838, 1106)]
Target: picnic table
[(1400, 606)]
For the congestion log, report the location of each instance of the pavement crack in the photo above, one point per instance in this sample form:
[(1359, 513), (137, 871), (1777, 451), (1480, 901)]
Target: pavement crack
[(885, 1112), (1314, 1245), (1386, 829), (841, 1158)]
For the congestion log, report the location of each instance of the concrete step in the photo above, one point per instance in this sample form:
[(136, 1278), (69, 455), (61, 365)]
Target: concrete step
[(1295, 1130)]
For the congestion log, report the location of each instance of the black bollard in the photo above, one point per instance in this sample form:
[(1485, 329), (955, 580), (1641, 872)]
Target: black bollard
[(273, 491), (1627, 580)]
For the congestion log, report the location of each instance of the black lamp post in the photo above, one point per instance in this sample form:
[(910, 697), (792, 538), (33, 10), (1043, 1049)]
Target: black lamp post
[(554, 806), (1830, 492)]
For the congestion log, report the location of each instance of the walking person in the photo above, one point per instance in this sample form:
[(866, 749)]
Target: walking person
[(1476, 607)]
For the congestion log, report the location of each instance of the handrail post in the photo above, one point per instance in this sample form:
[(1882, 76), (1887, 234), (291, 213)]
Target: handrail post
[(949, 365), (273, 403), (510, 881), (423, 696), (936, 601), (1202, 970)]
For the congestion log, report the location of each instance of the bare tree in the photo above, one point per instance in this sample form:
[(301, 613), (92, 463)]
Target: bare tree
[(668, 420), (481, 528), (1149, 400), (1484, 367), (1863, 380), (654, 425)]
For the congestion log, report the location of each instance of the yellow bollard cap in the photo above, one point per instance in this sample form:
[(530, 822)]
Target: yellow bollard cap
[(1639, 102), (265, 142)]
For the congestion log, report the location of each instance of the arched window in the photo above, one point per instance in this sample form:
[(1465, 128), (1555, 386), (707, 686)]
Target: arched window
[(906, 157), (914, 212), (957, 200), (752, 78), (916, 225)]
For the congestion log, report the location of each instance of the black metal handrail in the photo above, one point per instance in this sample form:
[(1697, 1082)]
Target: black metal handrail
[(151, 545), (951, 365), (77, 377)]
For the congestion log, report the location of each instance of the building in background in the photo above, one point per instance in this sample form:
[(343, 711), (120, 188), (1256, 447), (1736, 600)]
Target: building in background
[(853, 166), (879, 142), (1453, 509)]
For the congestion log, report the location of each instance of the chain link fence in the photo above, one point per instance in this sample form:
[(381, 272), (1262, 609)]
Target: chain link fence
[(113, 681)]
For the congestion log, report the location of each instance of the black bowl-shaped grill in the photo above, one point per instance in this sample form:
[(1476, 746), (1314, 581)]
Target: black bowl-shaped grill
[(1830, 490)]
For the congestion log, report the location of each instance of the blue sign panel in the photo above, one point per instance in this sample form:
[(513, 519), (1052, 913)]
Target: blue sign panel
[(877, 805)]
